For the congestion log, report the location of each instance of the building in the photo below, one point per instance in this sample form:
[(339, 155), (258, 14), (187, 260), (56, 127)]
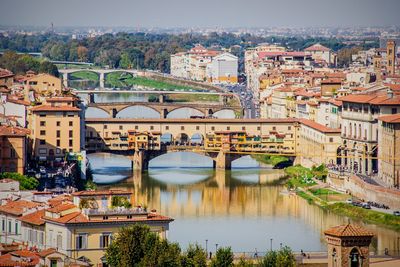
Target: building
[(144, 140), (318, 143), (391, 57), (6, 78), (16, 108), (10, 214), (223, 69), (55, 128), (360, 129), (44, 83), (329, 87), (321, 53), (13, 149), (86, 233), (389, 155), (348, 245), (202, 64), (330, 112)]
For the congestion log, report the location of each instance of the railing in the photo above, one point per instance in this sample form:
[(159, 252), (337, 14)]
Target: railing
[(116, 211)]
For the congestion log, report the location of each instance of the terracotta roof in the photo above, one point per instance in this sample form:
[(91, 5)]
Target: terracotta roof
[(50, 108), (317, 47), (395, 118), (374, 99), (101, 193), (196, 121), (348, 230), (4, 73), (46, 252), (34, 217), (17, 207), (331, 81), (18, 101), (281, 53), (13, 131), (335, 102), (319, 127), (9, 259), (62, 207)]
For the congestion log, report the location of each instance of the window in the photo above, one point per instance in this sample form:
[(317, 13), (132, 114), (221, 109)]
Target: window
[(166, 127), (105, 126), (59, 241), (182, 127), (70, 142), (42, 115), (58, 143), (258, 128), (151, 127), (16, 228), (71, 123), (9, 226), (228, 128), (12, 153), (41, 238), (71, 133), (81, 241), (212, 128), (331, 139), (58, 123), (394, 110), (243, 128), (289, 128), (42, 142), (105, 239), (121, 127), (43, 151), (58, 134), (42, 123), (42, 132), (3, 225), (274, 128), (197, 127)]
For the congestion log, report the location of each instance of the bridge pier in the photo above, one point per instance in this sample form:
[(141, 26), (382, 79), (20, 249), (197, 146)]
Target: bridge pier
[(102, 80), (164, 113), (140, 160), (161, 98), (65, 79), (223, 161), (209, 112)]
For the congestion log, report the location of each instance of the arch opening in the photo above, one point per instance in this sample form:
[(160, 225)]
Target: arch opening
[(184, 113), (225, 114), (196, 139), (84, 79), (138, 112), (182, 139), (167, 139), (92, 112)]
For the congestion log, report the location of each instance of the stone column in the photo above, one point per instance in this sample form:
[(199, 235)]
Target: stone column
[(161, 98), (102, 79), (140, 160), (223, 161), (65, 79), (164, 113)]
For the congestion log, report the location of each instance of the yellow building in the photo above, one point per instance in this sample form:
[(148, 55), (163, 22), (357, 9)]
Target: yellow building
[(319, 144), (85, 234), (268, 80), (44, 84), (55, 128), (12, 149), (389, 154), (144, 140)]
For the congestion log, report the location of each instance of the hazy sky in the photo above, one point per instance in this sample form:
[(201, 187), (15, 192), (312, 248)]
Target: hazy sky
[(202, 13)]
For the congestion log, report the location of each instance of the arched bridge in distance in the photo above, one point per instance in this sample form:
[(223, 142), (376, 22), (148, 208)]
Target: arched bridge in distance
[(223, 140)]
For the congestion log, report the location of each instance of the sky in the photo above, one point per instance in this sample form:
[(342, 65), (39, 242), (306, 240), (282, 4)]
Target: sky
[(200, 13)]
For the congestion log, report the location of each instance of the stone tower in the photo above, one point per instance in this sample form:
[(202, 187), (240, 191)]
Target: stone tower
[(377, 59), (391, 57), (348, 245)]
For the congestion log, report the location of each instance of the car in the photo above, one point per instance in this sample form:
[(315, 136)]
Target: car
[(396, 213), (349, 201), (365, 206)]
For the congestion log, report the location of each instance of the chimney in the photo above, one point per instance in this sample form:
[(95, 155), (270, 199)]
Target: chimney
[(389, 93)]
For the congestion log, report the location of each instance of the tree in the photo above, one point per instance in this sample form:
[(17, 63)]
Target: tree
[(195, 256), (125, 61), (281, 258), (223, 258), (48, 67), (25, 182), (120, 201), (82, 53), (137, 246)]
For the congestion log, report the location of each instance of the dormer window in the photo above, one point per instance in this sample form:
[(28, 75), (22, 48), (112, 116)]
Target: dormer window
[(105, 217)]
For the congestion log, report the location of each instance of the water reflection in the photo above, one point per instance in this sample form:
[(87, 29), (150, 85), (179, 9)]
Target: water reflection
[(242, 208)]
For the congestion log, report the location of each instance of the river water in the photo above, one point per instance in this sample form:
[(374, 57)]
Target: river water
[(243, 208)]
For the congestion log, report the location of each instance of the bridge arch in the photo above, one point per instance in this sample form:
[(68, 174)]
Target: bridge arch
[(184, 112), (196, 138), (182, 139), (96, 112), (138, 111), (119, 77), (224, 113), (83, 78)]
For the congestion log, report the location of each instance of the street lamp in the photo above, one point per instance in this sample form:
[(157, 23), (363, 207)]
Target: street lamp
[(216, 248), (206, 247), (271, 243)]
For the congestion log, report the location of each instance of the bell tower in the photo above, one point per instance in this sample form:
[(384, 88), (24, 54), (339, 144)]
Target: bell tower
[(391, 57), (348, 245)]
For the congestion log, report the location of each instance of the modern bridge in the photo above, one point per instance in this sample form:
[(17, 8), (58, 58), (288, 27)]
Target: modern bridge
[(262, 136)]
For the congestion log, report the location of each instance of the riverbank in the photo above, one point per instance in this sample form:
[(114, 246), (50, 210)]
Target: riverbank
[(316, 192)]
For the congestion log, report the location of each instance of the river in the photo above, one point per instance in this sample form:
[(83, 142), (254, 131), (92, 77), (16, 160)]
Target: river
[(243, 208)]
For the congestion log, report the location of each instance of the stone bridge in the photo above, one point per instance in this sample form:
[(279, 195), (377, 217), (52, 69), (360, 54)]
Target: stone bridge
[(100, 72), (164, 108), (111, 134)]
